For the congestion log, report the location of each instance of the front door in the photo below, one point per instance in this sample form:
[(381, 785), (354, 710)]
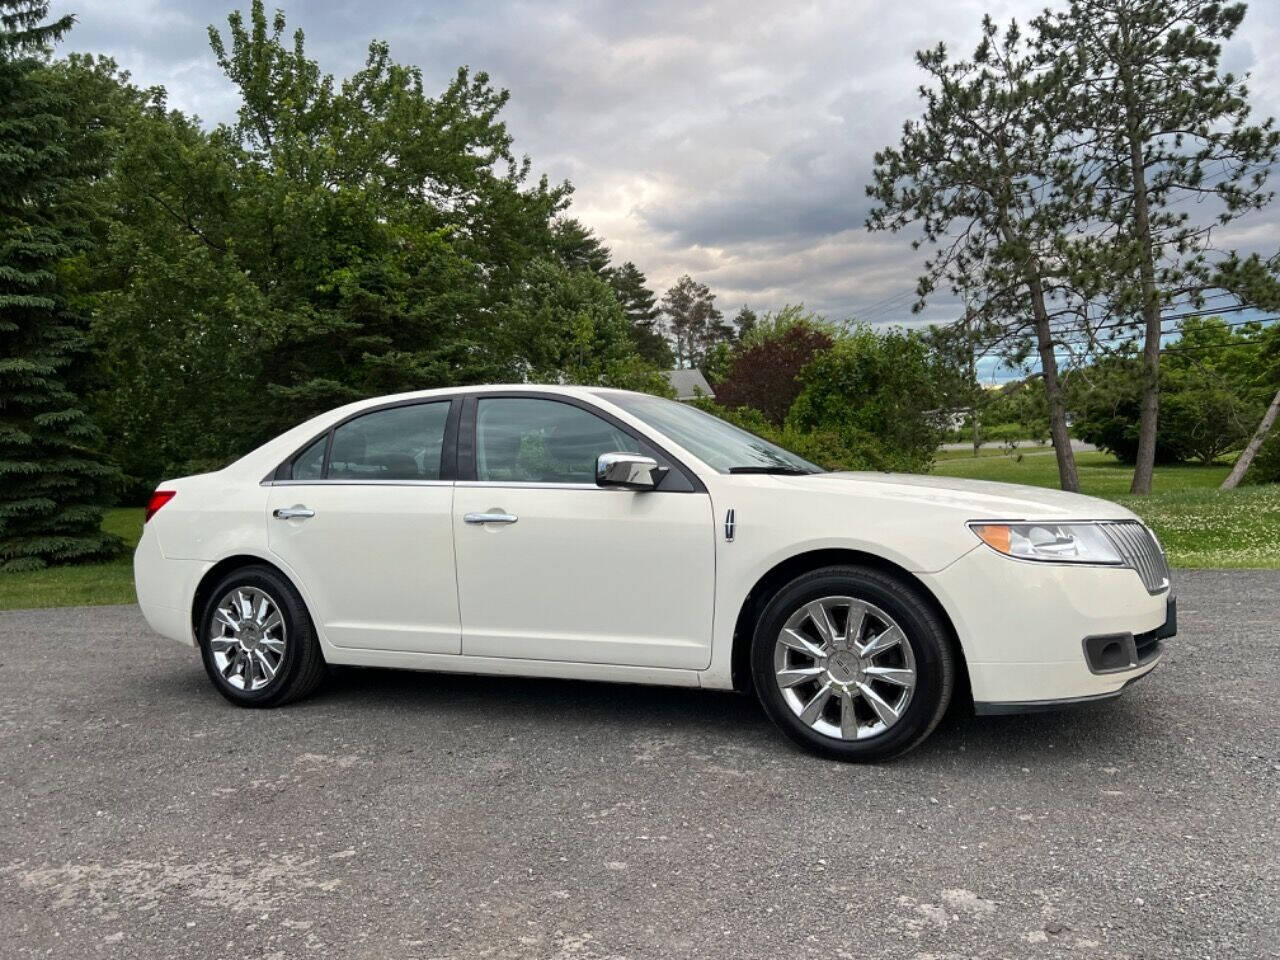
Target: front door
[(366, 524), (552, 567)]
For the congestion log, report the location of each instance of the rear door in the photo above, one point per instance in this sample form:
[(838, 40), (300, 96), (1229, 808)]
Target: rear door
[(365, 522)]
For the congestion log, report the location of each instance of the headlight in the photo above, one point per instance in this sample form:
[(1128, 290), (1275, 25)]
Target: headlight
[(1055, 542)]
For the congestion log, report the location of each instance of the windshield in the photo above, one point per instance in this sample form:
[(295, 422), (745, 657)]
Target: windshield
[(718, 444)]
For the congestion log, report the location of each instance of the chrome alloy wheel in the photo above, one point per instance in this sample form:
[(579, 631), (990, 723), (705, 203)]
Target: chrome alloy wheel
[(247, 638), (844, 667)]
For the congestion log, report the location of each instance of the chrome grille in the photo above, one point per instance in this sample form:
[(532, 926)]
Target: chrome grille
[(1140, 552)]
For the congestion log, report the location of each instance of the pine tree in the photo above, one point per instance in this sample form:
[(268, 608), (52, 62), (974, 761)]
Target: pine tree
[(695, 323), (985, 176), (638, 303), (54, 482), (1161, 125), (578, 248)]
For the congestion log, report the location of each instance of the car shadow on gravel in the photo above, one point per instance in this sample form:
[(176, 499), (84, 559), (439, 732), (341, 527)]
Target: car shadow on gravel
[(525, 700), (1107, 729)]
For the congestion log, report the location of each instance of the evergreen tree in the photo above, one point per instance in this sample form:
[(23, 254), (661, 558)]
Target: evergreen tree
[(694, 322), (1160, 125), (638, 303), (745, 322), (578, 247), (986, 176), (54, 481)]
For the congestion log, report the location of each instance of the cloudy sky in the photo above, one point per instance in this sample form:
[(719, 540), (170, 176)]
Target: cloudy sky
[(729, 140)]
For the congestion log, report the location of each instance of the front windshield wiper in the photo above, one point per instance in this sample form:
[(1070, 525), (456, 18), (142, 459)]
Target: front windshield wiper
[(776, 470)]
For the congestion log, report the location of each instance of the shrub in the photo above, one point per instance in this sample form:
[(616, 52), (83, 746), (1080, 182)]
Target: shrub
[(825, 448), (876, 392), (764, 375), (1106, 409), (1266, 465)]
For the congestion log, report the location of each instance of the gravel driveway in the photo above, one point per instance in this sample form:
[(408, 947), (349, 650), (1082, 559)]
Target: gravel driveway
[(412, 815)]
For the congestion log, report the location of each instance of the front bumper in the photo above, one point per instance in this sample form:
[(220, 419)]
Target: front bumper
[(1023, 627), (1143, 652)]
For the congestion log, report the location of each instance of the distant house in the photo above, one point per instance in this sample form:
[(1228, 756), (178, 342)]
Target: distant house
[(689, 384)]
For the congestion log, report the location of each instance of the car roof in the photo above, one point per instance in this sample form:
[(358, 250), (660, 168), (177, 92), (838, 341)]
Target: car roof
[(569, 389)]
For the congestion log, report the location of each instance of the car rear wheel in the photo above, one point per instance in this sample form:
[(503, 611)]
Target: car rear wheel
[(853, 663), (257, 641)]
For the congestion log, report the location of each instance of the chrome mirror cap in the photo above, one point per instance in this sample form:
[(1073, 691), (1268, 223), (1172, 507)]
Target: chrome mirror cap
[(631, 471)]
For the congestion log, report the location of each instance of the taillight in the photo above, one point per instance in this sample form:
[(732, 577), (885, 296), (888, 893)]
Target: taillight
[(158, 500)]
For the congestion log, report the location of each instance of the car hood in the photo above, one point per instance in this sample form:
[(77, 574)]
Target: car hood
[(980, 499)]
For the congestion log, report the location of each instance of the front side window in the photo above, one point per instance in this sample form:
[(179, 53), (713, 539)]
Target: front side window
[(399, 443), (528, 440)]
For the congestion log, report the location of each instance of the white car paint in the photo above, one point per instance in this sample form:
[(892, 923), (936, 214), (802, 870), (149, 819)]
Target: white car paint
[(372, 583), (645, 587), (587, 575)]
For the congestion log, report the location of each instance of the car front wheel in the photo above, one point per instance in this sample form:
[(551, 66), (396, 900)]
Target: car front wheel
[(853, 663), (257, 641)]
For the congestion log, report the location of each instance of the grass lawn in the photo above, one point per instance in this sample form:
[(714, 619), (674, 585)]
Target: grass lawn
[(1199, 525), (1027, 447), (80, 585)]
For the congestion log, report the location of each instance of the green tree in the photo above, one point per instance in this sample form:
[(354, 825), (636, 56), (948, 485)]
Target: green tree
[(744, 321), (1159, 125), (574, 330), (1208, 394), (1260, 459), (984, 176), (54, 479), (955, 352), (638, 303), (341, 239), (389, 229), (578, 247), (694, 322), (1207, 376), (1017, 410)]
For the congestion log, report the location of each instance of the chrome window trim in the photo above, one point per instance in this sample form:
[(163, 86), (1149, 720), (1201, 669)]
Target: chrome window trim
[(537, 485), (356, 483)]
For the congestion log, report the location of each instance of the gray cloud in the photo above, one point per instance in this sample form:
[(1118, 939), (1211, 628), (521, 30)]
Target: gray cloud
[(731, 140)]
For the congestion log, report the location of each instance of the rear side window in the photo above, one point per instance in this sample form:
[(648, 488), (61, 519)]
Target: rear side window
[(309, 464), (398, 443)]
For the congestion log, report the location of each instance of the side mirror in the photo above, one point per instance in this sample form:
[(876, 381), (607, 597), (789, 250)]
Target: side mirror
[(630, 471)]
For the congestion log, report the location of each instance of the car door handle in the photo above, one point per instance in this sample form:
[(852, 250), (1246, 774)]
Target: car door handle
[(489, 518), (293, 513)]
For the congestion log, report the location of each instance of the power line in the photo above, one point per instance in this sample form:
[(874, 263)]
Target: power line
[(1085, 334), (1164, 333), (877, 305)]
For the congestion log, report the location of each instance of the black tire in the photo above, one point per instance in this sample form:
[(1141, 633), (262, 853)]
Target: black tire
[(302, 666), (927, 634)]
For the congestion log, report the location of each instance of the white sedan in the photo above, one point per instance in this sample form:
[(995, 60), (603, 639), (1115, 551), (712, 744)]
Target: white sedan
[(606, 535)]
